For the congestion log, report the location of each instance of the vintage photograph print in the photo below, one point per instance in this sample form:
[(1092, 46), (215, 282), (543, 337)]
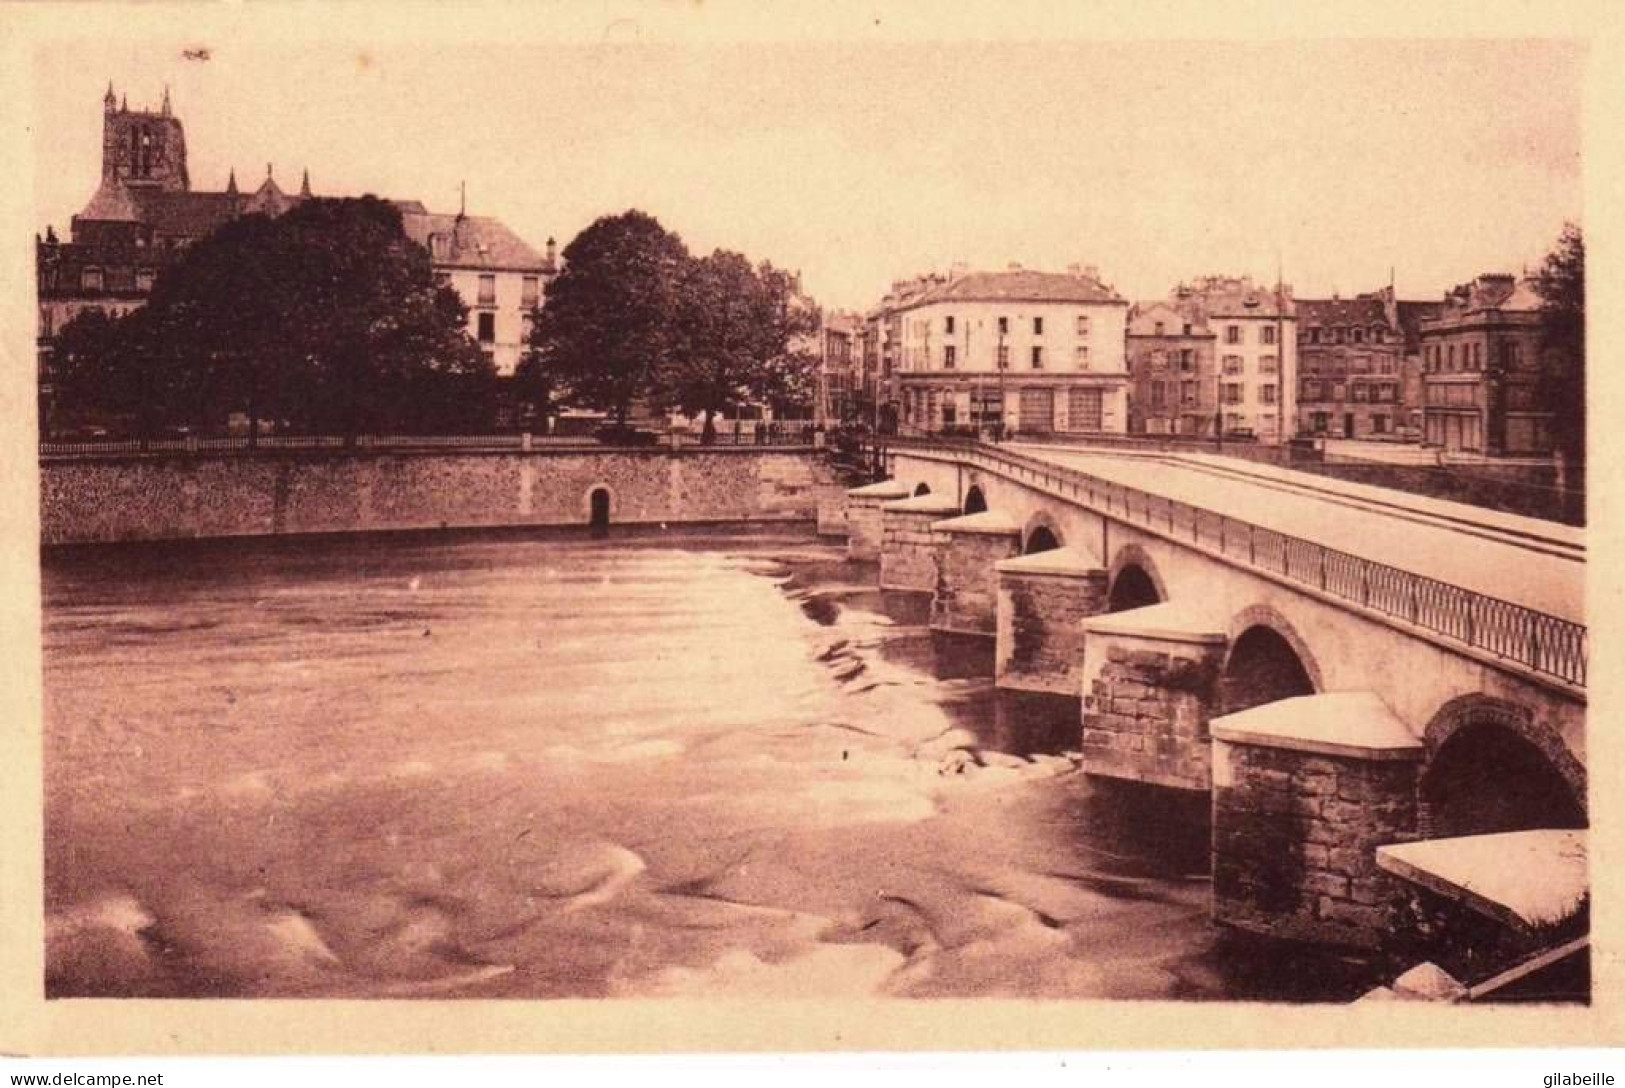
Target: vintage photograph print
[(619, 518)]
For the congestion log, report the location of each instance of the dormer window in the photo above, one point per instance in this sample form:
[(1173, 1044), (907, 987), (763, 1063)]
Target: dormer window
[(439, 246), (91, 279)]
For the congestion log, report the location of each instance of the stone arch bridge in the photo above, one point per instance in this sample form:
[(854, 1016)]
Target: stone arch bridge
[(1347, 669)]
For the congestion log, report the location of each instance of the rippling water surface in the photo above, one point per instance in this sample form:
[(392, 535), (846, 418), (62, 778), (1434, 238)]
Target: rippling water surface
[(488, 766)]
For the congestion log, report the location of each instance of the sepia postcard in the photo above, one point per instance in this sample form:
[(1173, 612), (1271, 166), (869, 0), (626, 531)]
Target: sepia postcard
[(705, 527)]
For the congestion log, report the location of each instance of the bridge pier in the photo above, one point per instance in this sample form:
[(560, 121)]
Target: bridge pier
[(1304, 792), (1150, 680), (863, 522), (908, 546), (1043, 600), (967, 587)]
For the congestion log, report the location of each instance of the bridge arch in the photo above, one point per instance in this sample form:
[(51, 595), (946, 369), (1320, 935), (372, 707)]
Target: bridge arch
[(1491, 766), (1041, 534), (1135, 580), (922, 488), (975, 500), (1267, 661)]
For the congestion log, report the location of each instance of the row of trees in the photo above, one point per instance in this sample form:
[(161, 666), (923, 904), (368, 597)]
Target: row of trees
[(329, 318), (635, 319)]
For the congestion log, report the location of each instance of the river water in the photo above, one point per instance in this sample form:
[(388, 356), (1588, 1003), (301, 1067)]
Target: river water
[(703, 763)]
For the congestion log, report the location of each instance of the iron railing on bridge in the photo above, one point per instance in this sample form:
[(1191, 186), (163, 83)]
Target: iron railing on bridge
[(1545, 644)]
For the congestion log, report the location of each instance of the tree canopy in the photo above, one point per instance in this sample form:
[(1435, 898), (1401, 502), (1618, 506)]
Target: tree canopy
[(737, 337), (1561, 285), (634, 318), (608, 325), (326, 318)]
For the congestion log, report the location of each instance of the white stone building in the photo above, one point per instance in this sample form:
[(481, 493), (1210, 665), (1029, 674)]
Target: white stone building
[(1060, 337), (499, 277)]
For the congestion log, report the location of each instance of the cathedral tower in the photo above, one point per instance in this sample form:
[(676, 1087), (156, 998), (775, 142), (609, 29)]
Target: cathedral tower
[(143, 149)]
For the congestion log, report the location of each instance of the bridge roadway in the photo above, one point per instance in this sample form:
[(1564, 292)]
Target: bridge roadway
[(1537, 564)]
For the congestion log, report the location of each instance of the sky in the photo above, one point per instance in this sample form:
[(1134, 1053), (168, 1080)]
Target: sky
[(861, 162)]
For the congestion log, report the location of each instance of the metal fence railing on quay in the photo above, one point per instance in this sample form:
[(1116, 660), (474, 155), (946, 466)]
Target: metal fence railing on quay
[(1545, 644), (796, 439)]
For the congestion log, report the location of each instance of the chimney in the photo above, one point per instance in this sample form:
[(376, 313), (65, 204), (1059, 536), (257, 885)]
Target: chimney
[(1014, 266), (552, 253), (1074, 269), (1092, 272)]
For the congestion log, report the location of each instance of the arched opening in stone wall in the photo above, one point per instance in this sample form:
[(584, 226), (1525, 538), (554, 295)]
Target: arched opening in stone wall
[(1132, 588), (1041, 539), (923, 489), (1263, 668), (1486, 778), (975, 501), (598, 502)]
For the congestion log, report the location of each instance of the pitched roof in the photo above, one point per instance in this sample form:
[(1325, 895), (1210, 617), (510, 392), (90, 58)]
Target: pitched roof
[(187, 215), (1020, 285), (112, 203), (472, 241), (1341, 311)]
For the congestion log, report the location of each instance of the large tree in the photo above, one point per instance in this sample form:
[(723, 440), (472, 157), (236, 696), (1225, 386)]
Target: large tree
[(741, 335), (608, 325), (326, 318), (1561, 285)]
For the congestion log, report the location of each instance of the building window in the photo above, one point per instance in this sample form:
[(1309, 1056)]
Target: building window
[(1266, 394), (1080, 355), (1379, 424), (1085, 409), (1083, 324), (1038, 357), (1038, 326), (143, 280), (487, 328), (1359, 335), (1361, 394), (950, 355), (1187, 360), (1314, 336), (439, 246), (948, 324), (1311, 390), (1187, 394), (1232, 334), (1267, 364), (488, 290), (530, 292), (527, 324), (1338, 391), (1004, 325), (1159, 395), (1267, 334), (1232, 364), (1159, 359), (1157, 329), (1232, 393), (1004, 356), (91, 279)]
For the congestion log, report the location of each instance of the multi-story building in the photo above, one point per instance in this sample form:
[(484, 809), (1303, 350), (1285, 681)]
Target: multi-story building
[(499, 277), (840, 361), (1255, 348), (145, 213), (1171, 366), (1033, 352), (884, 338), (1483, 367)]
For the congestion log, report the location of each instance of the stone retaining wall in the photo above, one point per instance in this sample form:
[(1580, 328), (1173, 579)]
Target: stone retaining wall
[(166, 498), (1295, 836)]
